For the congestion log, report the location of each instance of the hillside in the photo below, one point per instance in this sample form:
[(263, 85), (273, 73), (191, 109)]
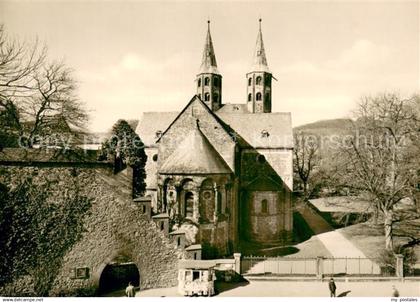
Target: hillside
[(326, 127)]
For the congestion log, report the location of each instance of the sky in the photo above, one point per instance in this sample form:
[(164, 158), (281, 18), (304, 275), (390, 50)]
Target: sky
[(132, 56)]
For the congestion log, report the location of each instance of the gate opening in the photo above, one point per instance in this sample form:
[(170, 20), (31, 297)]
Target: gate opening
[(116, 276)]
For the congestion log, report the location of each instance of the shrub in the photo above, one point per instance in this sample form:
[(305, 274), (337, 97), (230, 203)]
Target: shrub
[(387, 260)]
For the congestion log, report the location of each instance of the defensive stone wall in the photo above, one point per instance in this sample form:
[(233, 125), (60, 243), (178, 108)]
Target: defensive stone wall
[(114, 228)]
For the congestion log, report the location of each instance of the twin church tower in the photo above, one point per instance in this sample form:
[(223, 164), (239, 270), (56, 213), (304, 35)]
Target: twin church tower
[(209, 80)]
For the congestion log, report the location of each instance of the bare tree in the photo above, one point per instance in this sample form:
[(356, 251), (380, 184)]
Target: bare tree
[(37, 98), (306, 159), (379, 155)]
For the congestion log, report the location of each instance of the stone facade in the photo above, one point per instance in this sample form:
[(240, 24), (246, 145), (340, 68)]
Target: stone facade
[(116, 227), (224, 171)]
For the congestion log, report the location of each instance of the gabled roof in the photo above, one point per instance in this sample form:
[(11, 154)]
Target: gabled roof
[(261, 130), (233, 108), (225, 127), (151, 123), (195, 155)]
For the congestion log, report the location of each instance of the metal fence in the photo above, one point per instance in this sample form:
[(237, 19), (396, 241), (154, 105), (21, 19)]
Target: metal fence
[(251, 265)]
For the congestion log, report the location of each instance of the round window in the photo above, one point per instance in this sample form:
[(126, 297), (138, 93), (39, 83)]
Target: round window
[(155, 157), (207, 194)]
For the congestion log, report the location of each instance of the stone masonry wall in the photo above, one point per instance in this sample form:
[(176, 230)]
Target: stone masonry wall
[(114, 228), (217, 136)]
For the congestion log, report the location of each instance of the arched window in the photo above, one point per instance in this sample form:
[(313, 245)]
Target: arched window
[(199, 82), (207, 97), (207, 81), (267, 80), (207, 200), (258, 96), (264, 206), (189, 204), (258, 81), (249, 81), (216, 98), (216, 82), (249, 97)]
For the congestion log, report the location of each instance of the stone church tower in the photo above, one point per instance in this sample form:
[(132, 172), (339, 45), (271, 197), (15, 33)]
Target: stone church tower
[(209, 80), (222, 173), (259, 80)]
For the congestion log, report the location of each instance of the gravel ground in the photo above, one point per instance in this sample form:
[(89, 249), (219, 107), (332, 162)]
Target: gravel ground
[(302, 289)]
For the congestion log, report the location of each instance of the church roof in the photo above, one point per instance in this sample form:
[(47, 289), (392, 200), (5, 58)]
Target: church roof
[(260, 59), (153, 123), (208, 62), (231, 108), (261, 130), (195, 155)]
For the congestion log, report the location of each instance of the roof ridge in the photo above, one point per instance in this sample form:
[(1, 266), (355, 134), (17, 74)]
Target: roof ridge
[(195, 97)]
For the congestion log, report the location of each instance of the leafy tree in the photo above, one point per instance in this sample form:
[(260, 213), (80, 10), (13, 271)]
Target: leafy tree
[(37, 98), (126, 148), (379, 153)]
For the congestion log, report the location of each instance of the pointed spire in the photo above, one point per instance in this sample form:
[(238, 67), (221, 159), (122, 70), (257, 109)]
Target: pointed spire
[(208, 63), (260, 60)]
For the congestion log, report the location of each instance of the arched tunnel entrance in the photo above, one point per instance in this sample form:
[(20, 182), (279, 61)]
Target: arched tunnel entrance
[(116, 276)]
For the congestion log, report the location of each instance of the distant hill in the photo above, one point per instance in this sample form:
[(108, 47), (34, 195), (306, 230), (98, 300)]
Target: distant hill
[(327, 127), (330, 132)]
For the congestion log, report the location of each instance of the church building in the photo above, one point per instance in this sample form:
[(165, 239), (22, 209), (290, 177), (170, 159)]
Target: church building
[(222, 172)]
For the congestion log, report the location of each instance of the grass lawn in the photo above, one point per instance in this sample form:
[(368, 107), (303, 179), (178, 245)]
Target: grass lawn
[(311, 248), (370, 238)]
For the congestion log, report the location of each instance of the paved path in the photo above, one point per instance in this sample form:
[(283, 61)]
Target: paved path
[(339, 246), (303, 289)]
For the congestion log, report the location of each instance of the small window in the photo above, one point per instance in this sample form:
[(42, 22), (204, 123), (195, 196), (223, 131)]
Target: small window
[(158, 134), (216, 82), (264, 206), (81, 273), (196, 275), (179, 241), (162, 225), (155, 157), (143, 209), (265, 133), (207, 97), (258, 96), (260, 158), (249, 81), (258, 81), (199, 83), (249, 97), (195, 256), (206, 81)]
